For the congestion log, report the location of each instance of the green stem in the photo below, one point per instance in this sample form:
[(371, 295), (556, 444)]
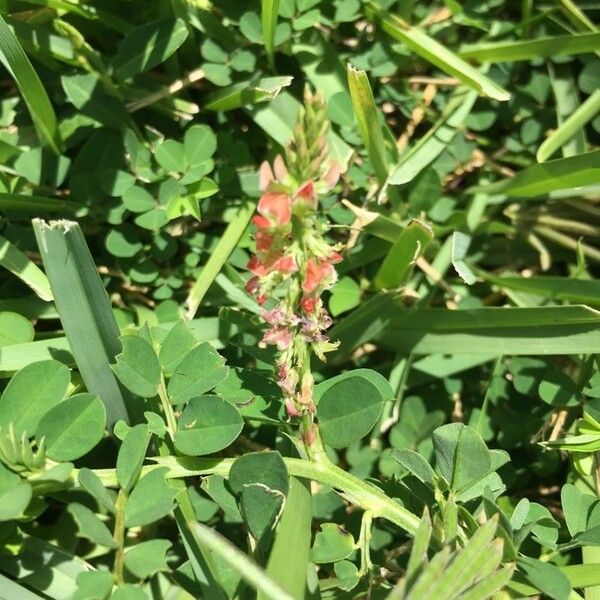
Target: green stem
[(319, 469), (119, 536), (167, 407), (364, 543)]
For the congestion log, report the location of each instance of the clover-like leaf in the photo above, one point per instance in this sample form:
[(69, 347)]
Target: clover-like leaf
[(349, 405), (137, 366), (208, 424)]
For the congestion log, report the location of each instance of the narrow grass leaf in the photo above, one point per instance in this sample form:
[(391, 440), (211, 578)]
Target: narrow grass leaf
[(220, 254), (524, 331), (559, 174), (544, 47), (84, 309), (435, 141), (369, 124), (566, 101), (17, 64), (289, 555), (434, 52), (578, 291), (12, 259), (570, 127), (269, 14), (251, 573)]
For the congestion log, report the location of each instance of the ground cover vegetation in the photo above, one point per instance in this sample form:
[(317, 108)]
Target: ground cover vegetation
[(298, 299)]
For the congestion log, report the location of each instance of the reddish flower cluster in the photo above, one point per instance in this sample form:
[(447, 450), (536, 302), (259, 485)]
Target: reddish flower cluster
[(292, 256)]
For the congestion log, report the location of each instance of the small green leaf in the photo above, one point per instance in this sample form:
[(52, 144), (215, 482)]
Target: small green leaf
[(545, 577), (147, 46), (93, 585), (347, 573), (90, 526), (145, 559), (31, 393), (129, 592), (200, 370), (137, 366), (261, 480), (179, 341), (462, 457), (151, 499), (91, 483), (199, 144), (137, 199), (73, 427), (14, 328), (332, 543), (416, 464), (171, 156), (208, 424), (14, 502), (131, 455), (577, 508), (558, 389), (349, 405)]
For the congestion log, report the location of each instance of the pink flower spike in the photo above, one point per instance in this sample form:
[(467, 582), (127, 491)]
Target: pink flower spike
[(335, 258), (264, 241), (252, 285), (265, 176), (317, 274), (332, 175), (257, 268), (278, 336), (292, 411), (261, 222), (286, 264), (281, 172), (277, 207), (307, 195)]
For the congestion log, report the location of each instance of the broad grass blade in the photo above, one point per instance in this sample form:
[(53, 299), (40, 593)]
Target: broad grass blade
[(84, 309)]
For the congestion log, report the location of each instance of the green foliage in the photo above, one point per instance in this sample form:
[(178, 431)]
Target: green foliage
[(145, 450)]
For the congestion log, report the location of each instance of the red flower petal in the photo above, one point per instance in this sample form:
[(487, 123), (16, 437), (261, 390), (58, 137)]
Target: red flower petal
[(276, 206)]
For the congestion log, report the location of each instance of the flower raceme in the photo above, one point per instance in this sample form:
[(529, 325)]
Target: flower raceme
[(292, 267)]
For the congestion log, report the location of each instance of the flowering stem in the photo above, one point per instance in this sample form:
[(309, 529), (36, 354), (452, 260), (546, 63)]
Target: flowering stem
[(319, 469)]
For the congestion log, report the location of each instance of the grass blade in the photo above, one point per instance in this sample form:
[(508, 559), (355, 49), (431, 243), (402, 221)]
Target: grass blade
[(224, 248), (434, 52), (584, 291), (369, 125), (269, 13), (559, 174), (558, 45), (436, 140), (11, 590), (566, 100), (570, 127), (15, 61), (289, 555), (84, 309), (23, 203), (513, 331), (200, 538), (30, 274)]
